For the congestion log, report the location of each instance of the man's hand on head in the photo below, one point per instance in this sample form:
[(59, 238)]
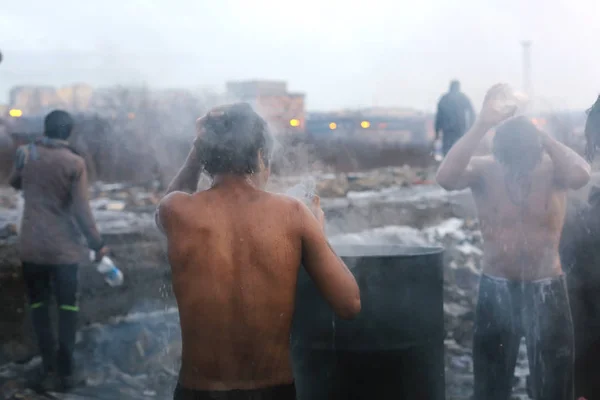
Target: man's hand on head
[(200, 129), (496, 106), (200, 126)]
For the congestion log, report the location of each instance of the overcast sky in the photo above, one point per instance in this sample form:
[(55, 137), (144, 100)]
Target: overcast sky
[(346, 53)]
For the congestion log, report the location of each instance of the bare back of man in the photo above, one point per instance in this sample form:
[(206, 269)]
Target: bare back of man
[(520, 222), (235, 251), (235, 282)]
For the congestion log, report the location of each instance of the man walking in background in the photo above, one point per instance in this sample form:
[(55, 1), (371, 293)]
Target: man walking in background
[(520, 194), (454, 116), (53, 179)]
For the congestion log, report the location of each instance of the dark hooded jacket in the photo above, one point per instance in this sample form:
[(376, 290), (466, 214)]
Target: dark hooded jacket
[(580, 255)]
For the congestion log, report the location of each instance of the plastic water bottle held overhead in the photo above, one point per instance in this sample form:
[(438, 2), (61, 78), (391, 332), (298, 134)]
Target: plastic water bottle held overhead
[(112, 275), (510, 99)]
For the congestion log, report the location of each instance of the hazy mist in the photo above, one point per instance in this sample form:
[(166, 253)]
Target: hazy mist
[(342, 54)]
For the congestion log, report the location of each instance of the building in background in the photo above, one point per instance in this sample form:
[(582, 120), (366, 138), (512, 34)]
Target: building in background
[(36, 100), (283, 110), (400, 126)]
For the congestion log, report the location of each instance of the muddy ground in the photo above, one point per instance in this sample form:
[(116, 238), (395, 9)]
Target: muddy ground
[(136, 355)]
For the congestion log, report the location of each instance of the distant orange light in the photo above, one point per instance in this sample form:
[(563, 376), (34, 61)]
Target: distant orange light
[(294, 122), (365, 124), (131, 115), (333, 126)]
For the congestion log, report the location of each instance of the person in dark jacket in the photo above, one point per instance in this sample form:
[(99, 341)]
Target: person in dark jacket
[(454, 116), (580, 253), (53, 179)]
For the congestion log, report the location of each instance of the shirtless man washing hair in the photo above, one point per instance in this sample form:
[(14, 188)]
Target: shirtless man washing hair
[(235, 251), (520, 193)]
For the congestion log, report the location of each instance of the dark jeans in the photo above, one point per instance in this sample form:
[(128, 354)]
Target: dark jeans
[(507, 311), (40, 280), (282, 392), (584, 296)]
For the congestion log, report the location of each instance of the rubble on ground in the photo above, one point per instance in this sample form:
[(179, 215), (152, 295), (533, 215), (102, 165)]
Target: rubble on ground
[(339, 185), (137, 357), (108, 199)]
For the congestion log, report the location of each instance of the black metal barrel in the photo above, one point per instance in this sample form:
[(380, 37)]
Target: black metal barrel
[(394, 349)]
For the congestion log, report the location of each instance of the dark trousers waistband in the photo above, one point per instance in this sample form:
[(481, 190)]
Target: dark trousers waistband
[(280, 392)]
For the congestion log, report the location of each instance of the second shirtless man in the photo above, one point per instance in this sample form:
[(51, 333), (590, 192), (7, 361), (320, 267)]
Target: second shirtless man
[(235, 251), (520, 194)]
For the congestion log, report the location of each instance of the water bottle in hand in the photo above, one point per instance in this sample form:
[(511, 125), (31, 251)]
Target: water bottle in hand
[(112, 275)]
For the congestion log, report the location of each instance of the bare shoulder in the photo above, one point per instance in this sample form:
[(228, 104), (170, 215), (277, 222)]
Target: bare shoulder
[(172, 202), (172, 207), (289, 209), (285, 203)]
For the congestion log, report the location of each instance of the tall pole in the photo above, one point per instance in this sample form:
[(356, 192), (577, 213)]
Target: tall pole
[(527, 83)]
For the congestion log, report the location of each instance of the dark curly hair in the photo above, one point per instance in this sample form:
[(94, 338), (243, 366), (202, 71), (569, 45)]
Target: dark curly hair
[(233, 137), (592, 130), (518, 146)]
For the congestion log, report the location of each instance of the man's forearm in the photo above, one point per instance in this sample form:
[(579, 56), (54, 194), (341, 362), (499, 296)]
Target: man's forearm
[(187, 178), (570, 168), (457, 159)]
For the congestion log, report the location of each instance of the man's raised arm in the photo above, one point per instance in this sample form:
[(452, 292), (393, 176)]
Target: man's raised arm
[(188, 175), (571, 171), (460, 169), (187, 178)]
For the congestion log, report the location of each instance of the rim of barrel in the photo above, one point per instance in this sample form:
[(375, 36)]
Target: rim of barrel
[(385, 250)]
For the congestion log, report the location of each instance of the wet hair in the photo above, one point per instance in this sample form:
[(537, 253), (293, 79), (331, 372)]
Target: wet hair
[(232, 139), (592, 130), (518, 146), (58, 125), (455, 86)]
